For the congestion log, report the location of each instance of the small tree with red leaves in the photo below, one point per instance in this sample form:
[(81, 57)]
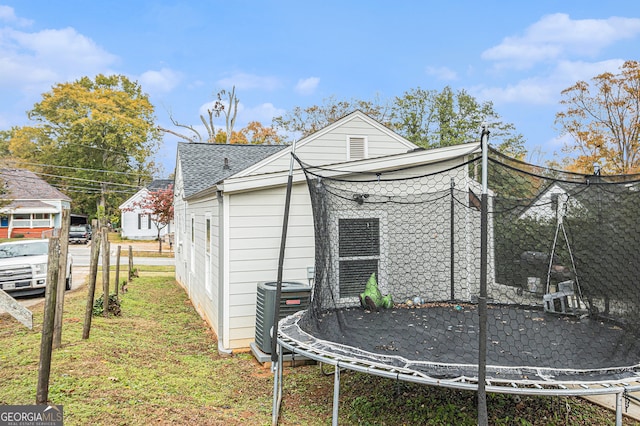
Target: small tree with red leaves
[(158, 205)]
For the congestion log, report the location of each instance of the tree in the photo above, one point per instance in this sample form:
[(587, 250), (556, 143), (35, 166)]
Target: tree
[(5, 138), (255, 133), (433, 119), (603, 121), (159, 205), (304, 121), (428, 118), (94, 138), (230, 110)]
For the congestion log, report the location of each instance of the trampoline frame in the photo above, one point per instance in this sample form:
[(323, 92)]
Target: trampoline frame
[(516, 387)]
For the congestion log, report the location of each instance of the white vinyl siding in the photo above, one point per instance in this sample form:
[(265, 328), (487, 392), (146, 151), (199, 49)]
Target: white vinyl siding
[(253, 259), (331, 148), (192, 259)]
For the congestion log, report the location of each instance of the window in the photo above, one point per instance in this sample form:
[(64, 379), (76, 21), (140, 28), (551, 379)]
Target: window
[(41, 220), (207, 256), (208, 240), (144, 219), (192, 254), (356, 147), (21, 220), (358, 252)]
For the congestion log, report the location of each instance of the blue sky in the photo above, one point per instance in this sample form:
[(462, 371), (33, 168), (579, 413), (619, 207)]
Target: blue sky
[(280, 54)]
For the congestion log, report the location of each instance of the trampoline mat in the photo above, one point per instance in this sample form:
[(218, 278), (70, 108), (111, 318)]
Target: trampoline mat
[(441, 339)]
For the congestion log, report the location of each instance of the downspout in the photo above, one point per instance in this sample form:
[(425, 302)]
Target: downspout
[(221, 348)]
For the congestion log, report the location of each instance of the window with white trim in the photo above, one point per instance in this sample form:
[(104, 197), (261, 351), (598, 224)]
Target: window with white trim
[(192, 253), (142, 218), (207, 255)]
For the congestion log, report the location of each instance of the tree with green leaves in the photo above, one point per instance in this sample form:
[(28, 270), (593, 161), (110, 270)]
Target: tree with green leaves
[(303, 122), (93, 139), (428, 118), (433, 119), (603, 120)]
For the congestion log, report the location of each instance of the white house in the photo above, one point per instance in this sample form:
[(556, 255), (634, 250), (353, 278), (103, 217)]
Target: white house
[(138, 224), (229, 203), (551, 202)]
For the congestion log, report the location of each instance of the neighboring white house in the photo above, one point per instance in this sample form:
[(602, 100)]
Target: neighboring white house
[(229, 203), (548, 204), (137, 224)]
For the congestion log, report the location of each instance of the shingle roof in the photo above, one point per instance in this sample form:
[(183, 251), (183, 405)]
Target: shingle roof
[(157, 184), (204, 164), (26, 185)]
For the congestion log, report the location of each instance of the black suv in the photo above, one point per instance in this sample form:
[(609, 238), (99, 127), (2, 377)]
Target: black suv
[(80, 234)]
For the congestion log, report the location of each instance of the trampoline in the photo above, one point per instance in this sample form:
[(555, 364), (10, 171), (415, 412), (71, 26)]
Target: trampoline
[(556, 314)]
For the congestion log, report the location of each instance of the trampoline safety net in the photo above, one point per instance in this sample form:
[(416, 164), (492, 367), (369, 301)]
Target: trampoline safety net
[(397, 273)]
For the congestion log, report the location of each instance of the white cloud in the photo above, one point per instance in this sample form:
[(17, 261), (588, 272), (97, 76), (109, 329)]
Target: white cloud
[(161, 81), (306, 86), (8, 15), (244, 81), (529, 91), (545, 89), (263, 113), (37, 60), (442, 73), (557, 36)]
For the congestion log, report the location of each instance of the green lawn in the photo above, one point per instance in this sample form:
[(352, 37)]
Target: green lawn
[(158, 364)]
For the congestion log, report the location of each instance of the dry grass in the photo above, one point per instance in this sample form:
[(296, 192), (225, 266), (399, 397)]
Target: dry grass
[(158, 364)]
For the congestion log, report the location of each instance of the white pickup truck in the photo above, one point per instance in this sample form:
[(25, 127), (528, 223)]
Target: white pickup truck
[(23, 267)]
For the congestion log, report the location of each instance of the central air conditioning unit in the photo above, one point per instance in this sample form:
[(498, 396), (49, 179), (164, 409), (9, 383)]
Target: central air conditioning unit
[(295, 297)]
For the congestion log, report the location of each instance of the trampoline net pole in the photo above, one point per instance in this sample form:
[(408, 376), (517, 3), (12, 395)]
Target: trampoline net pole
[(482, 299)]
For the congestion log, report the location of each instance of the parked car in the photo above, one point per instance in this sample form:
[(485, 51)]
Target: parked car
[(80, 234), (23, 267)]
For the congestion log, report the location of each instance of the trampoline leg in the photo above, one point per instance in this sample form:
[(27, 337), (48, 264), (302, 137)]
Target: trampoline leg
[(336, 394), (277, 388), (619, 409)]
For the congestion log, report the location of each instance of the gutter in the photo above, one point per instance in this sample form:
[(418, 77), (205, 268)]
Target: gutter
[(222, 350)]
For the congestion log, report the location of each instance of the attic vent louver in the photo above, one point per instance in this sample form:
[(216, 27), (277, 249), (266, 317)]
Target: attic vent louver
[(226, 164), (357, 148)]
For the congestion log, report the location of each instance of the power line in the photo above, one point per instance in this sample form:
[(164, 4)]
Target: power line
[(74, 168), (88, 180)]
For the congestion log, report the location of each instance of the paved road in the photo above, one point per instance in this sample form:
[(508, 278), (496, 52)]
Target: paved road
[(81, 254)]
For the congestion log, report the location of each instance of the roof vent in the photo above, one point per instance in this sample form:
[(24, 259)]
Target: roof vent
[(226, 164)]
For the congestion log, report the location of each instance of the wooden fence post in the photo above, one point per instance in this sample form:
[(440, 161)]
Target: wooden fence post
[(105, 271), (117, 269), (93, 275), (62, 277), (130, 263), (44, 366)]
